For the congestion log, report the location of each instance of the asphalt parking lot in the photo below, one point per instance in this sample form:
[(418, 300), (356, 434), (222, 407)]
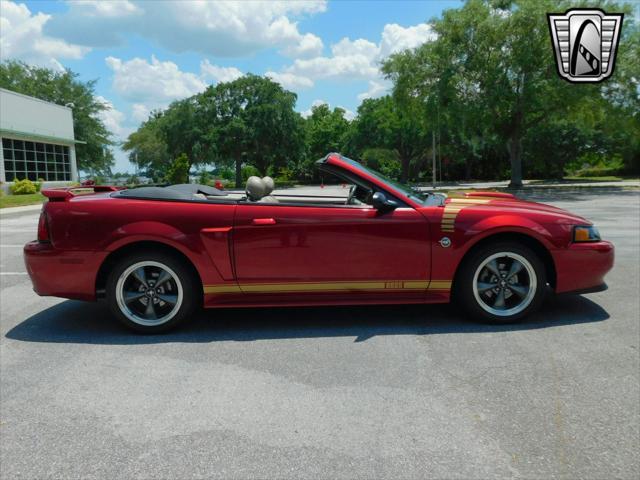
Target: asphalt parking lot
[(384, 392)]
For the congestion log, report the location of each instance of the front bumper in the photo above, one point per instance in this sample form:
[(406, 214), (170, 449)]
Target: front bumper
[(581, 267), (67, 274)]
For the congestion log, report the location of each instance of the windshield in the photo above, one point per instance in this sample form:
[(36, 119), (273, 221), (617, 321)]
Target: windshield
[(411, 192)]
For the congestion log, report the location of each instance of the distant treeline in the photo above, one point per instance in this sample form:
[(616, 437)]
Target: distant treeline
[(485, 92)]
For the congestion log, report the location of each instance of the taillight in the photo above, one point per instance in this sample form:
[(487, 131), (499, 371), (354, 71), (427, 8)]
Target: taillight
[(43, 228)]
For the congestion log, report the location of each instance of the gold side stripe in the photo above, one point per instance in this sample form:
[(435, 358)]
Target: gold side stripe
[(222, 289), (329, 286)]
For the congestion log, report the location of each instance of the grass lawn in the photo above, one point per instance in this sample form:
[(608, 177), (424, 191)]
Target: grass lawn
[(20, 200)]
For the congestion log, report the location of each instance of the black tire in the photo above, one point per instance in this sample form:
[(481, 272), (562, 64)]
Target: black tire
[(182, 286), (482, 303)]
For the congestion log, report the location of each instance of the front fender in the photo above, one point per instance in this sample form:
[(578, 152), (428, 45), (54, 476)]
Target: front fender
[(497, 224), (471, 231)]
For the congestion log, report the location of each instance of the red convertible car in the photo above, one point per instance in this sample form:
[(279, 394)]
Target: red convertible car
[(158, 253)]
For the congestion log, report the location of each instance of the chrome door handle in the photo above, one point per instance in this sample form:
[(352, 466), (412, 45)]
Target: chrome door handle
[(263, 221)]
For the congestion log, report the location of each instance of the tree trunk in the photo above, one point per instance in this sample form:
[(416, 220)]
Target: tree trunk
[(404, 171), (239, 171), (515, 156)]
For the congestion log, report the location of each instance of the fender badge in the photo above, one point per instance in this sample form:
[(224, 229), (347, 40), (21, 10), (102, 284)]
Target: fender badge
[(445, 242)]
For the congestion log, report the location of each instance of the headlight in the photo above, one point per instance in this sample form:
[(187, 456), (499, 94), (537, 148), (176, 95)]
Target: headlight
[(586, 234)]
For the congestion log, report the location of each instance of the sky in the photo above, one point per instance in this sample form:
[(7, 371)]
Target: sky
[(145, 54)]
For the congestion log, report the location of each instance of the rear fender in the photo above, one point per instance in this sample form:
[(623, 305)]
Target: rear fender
[(189, 245)]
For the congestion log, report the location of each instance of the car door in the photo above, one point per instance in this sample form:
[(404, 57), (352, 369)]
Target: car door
[(331, 250)]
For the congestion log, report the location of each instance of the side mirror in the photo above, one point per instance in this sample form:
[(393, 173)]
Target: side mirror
[(383, 204)]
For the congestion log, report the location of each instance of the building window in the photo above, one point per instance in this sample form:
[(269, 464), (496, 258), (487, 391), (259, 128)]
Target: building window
[(35, 160)]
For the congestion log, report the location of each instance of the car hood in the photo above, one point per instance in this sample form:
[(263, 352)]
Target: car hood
[(509, 203)]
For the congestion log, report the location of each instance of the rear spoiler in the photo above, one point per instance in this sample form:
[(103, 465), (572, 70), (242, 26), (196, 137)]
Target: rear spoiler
[(65, 193)]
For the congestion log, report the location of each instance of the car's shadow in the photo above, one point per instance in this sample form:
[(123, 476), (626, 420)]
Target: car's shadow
[(77, 322)]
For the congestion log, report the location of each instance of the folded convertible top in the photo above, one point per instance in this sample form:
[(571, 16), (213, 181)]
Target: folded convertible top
[(196, 188)]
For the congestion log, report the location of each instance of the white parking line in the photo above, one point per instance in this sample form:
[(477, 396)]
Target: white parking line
[(13, 273), (11, 246)]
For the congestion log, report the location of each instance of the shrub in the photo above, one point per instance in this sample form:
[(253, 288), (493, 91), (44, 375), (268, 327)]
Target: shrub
[(178, 172), (249, 171), (23, 187), (596, 165), (226, 173), (204, 178), (39, 184)]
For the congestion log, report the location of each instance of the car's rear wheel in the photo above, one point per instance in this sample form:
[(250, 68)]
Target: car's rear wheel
[(501, 283), (151, 292)]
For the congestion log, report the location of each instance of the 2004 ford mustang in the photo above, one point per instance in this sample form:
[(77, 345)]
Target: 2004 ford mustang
[(156, 254)]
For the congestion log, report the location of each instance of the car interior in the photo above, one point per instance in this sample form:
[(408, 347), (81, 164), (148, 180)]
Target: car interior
[(340, 191)]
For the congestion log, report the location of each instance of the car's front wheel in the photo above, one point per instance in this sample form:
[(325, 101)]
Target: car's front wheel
[(501, 283), (151, 292)]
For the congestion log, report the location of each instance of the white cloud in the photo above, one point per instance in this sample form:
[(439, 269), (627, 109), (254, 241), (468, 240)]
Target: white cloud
[(307, 113), (219, 74), (113, 119), (308, 45), (140, 112), (23, 38), (377, 88), (349, 48), (348, 114), (221, 28), (396, 38), (154, 84), (290, 81), (359, 59), (121, 8)]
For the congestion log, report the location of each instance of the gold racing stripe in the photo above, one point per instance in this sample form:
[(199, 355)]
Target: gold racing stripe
[(453, 208), (388, 285)]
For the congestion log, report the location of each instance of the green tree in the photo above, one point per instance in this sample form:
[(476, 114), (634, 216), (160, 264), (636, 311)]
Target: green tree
[(64, 88), (184, 130), (490, 74), (147, 147), (325, 131), (178, 172), (394, 124), (251, 120)]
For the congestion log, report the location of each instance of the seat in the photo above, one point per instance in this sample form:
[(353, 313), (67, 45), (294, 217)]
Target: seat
[(255, 189), (269, 186)]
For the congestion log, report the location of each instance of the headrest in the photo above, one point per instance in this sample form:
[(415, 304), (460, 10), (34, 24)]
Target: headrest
[(269, 185), (255, 188)]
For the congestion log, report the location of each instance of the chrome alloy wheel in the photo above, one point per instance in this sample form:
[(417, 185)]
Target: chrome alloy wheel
[(149, 293), (504, 284)]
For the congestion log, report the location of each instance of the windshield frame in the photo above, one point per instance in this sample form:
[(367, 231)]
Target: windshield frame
[(406, 190)]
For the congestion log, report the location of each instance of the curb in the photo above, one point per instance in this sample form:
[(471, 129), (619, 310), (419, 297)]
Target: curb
[(23, 209)]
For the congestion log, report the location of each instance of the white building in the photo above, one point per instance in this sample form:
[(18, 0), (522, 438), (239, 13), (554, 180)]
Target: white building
[(37, 140)]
